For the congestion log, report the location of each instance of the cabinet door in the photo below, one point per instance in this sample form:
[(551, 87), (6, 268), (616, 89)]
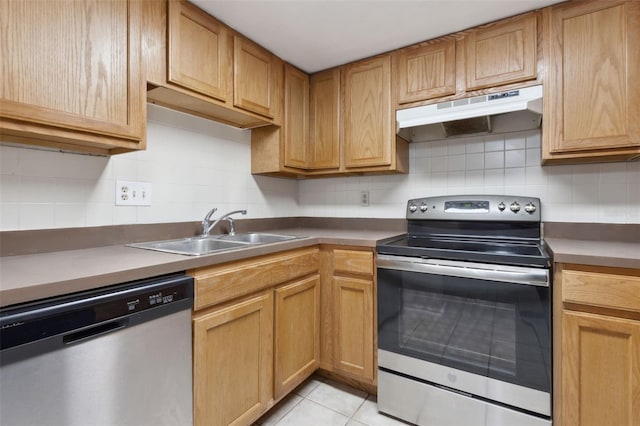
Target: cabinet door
[(593, 84), (199, 51), (368, 135), (297, 333), (353, 327), (296, 118), (233, 362), (254, 77), (600, 370), (425, 71), (324, 118), (71, 73), (502, 53)]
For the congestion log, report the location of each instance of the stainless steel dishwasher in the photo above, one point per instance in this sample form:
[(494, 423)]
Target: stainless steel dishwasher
[(119, 355)]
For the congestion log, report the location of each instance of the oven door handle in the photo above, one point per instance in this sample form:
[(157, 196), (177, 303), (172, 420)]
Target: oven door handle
[(480, 271)]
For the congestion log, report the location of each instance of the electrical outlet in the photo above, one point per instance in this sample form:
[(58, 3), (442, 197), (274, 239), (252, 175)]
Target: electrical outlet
[(130, 193), (364, 198)]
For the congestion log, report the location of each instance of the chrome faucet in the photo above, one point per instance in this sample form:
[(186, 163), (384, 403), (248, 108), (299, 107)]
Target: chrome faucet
[(206, 228), (205, 222)]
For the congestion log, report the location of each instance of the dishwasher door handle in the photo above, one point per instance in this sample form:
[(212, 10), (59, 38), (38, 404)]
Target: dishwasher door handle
[(95, 331)]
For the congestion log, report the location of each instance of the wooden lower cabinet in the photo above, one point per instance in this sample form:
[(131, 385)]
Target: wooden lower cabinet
[(596, 346), (348, 331), (353, 331), (255, 334), (297, 333), (233, 361), (263, 325), (601, 370)]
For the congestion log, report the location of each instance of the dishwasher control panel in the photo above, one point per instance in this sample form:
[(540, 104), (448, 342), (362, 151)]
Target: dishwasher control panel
[(94, 312)]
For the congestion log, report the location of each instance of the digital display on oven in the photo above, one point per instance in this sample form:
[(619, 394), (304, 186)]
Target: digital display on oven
[(466, 207)]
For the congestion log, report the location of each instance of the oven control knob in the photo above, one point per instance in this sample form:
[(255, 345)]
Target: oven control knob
[(530, 208), (501, 206), (423, 207), (515, 207), (413, 208)]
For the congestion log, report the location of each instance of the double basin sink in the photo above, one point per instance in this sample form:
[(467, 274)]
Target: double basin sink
[(197, 246)]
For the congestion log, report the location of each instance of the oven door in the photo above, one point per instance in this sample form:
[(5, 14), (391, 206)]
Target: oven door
[(477, 328)]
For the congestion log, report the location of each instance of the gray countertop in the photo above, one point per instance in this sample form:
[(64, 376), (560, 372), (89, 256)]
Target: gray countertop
[(596, 253), (35, 276)]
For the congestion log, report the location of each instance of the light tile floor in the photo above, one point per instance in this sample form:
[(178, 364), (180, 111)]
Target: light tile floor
[(321, 402)]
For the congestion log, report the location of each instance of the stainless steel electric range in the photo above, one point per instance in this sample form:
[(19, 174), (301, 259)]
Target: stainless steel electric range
[(464, 322)]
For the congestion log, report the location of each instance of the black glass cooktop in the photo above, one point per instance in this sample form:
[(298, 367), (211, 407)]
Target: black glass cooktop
[(499, 252)]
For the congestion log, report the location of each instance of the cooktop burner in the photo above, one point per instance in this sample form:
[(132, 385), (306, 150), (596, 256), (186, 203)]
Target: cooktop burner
[(499, 252), (476, 228)]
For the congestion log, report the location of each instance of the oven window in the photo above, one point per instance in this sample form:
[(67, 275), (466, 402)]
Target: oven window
[(497, 330)]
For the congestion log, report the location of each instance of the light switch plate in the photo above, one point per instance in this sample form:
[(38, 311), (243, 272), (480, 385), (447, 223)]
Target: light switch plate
[(130, 193)]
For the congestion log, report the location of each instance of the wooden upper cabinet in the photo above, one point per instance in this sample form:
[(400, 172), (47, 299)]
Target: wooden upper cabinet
[(254, 77), (324, 119), (296, 117), (188, 57), (368, 133), (71, 75), (591, 92), (505, 52), (199, 51), (425, 71)]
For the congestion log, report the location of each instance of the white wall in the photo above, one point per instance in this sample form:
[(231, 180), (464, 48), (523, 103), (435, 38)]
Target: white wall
[(500, 164), (195, 164), (192, 163)]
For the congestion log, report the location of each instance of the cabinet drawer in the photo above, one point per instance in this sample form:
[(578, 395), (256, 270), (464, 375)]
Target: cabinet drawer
[(221, 283), (604, 289), (359, 262)]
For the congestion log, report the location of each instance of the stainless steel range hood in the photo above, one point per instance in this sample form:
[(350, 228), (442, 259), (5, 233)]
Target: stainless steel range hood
[(519, 109)]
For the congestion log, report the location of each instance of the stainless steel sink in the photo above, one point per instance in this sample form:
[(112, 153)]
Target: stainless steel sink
[(197, 246), (256, 238), (190, 246)]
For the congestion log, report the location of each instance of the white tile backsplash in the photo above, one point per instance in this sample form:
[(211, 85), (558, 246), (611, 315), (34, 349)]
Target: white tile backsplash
[(192, 163), (195, 164), (495, 164)]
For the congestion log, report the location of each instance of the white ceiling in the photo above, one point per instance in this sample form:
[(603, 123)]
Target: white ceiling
[(315, 35)]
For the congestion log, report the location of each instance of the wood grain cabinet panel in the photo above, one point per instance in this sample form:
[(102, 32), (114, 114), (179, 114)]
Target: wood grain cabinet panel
[(601, 370), (254, 77), (353, 261), (596, 340), (198, 51), (220, 283), (297, 333), (72, 75), (367, 113), (602, 289), (233, 362), (324, 120), (505, 52), (296, 118), (353, 327), (425, 71), (591, 94)]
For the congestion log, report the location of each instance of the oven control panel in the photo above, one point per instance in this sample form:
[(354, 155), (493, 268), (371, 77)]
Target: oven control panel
[(475, 207)]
